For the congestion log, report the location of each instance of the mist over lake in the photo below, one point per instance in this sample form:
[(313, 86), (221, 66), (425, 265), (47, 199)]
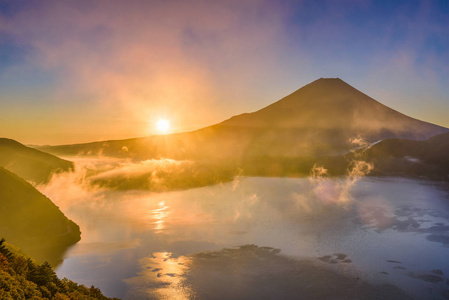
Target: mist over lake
[(365, 236)]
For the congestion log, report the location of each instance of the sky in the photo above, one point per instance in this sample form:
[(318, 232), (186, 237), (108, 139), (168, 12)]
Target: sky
[(81, 71)]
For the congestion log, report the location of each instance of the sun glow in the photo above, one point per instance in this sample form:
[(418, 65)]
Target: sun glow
[(163, 125)]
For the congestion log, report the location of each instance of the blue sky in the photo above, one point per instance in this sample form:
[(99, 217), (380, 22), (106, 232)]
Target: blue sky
[(77, 71)]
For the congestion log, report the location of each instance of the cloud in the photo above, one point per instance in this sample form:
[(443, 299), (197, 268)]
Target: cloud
[(359, 142)]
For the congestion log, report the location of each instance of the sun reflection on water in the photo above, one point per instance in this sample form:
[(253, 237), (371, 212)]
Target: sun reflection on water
[(162, 277), (160, 215)]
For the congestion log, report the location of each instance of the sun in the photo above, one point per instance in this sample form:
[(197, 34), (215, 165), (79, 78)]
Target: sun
[(163, 125)]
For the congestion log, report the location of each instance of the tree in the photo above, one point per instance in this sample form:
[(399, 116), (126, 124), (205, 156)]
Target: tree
[(4, 264), (5, 251)]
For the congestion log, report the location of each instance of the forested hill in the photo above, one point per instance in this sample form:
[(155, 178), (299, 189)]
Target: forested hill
[(22, 278)]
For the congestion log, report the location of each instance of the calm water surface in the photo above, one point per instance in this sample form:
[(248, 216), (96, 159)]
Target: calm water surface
[(333, 232)]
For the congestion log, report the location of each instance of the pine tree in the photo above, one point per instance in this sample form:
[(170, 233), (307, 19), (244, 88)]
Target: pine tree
[(5, 251)]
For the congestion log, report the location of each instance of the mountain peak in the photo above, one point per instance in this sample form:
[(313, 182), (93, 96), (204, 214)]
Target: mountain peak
[(329, 83), (328, 79), (307, 106), (332, 104)]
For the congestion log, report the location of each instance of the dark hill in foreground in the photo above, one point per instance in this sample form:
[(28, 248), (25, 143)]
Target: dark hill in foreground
[(319, 119), (31, 221), (30, 164)]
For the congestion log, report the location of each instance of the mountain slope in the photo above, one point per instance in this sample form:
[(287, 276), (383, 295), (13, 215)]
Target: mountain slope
[(30, 220), (30, 164), (317, 120)]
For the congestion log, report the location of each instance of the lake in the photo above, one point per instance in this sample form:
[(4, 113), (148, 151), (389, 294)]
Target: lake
[(323, 238)]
